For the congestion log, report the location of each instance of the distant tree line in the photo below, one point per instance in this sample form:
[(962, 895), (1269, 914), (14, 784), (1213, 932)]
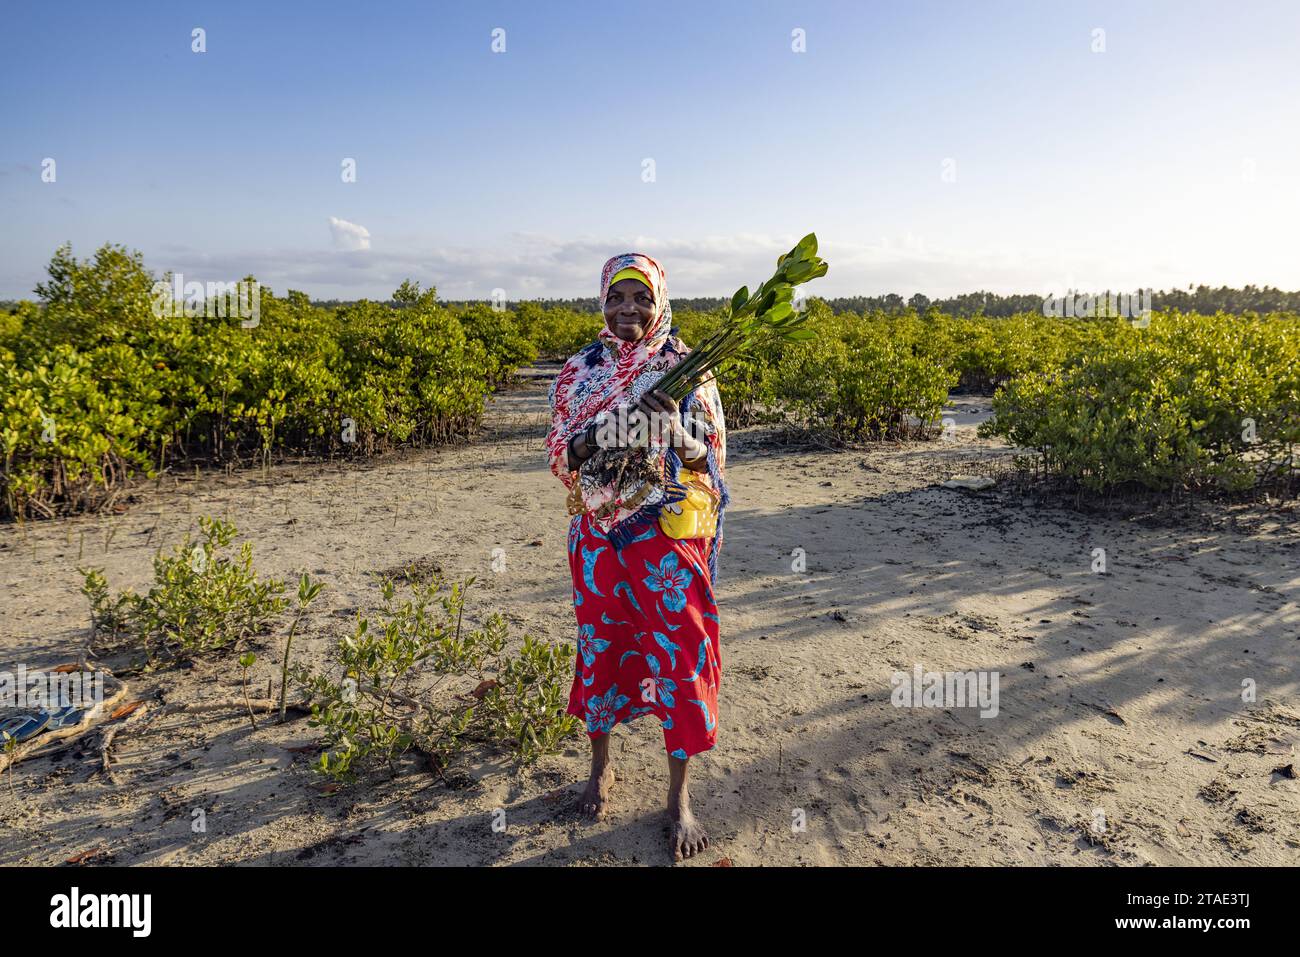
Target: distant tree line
[(1202, 299)]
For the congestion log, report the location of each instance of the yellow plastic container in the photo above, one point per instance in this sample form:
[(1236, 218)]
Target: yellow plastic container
[(696, 516)]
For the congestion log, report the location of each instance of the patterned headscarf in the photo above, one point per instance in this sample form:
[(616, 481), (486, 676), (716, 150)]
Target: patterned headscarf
[(611, 372)]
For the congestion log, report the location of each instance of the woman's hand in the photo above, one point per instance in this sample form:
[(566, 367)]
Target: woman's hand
[(665, 413), (665, 416), (600, 433), (662, 414)]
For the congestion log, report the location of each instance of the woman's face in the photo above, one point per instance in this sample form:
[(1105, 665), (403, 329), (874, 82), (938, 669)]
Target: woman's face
[(629, 309)]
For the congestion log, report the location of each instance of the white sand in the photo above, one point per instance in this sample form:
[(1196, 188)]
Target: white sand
[(1121, 737)]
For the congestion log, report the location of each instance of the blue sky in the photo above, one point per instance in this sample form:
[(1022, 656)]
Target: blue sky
[(934, 147)]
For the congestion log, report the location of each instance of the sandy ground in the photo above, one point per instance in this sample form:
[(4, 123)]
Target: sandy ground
[(1121, 738)]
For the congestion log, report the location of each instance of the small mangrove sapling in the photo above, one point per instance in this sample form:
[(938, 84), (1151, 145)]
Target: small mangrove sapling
[(307, 591)]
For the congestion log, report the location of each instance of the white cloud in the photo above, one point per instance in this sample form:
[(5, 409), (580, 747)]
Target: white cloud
[(349, 236)]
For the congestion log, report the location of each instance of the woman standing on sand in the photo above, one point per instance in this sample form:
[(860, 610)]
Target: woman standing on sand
[(643, 598)]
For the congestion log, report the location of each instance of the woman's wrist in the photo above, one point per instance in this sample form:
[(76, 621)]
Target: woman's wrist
[(577, 457), (583, 445), (694, 454)]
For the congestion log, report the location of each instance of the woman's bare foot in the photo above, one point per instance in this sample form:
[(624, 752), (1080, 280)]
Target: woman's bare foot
[(595, 796), (686, 836)]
